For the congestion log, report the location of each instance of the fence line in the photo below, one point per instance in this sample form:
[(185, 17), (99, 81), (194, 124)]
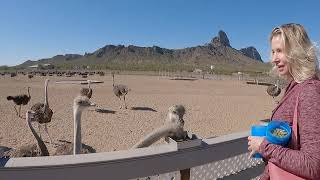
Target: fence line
[(136, 163)]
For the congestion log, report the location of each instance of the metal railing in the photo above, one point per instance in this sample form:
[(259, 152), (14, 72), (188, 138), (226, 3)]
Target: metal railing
[(220, 157)]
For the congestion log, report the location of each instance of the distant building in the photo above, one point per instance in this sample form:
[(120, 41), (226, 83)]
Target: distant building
[(34, 66), (41, 66), (197, 70)]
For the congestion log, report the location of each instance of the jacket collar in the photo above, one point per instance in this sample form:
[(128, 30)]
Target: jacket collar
[(293, 86)]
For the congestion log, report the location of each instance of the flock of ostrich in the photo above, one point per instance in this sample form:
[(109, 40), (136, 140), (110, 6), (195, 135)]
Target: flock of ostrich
[(41, 114)]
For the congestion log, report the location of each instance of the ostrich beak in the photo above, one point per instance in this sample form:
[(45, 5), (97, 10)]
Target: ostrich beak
[(93, 104)]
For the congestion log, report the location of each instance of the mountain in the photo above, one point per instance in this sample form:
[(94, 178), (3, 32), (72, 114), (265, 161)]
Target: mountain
[(218, 52), (251, 52)]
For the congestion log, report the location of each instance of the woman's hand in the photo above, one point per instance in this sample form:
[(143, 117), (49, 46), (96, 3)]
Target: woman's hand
[(253, 144)]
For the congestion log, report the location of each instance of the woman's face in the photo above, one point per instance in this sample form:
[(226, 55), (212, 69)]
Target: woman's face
[(278, 56)]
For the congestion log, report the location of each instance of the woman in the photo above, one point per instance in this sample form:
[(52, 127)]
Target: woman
[(294, 58)]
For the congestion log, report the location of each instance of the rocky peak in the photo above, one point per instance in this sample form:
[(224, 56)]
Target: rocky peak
[(72, 56), (221, 39), (251, 52)]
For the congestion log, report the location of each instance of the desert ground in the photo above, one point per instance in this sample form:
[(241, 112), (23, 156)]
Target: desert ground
[(213, 108)]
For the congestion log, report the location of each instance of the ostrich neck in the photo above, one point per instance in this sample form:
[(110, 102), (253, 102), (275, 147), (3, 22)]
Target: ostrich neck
[(46, 94), (77, 130), (42, 146), (113, 81), (29, 92), (157, 134)]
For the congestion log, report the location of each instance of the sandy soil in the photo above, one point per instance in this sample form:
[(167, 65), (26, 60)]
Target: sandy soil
[(213, 108)]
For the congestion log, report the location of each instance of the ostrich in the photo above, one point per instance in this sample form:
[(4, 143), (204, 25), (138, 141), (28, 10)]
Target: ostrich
[(120, 90), (31, 150), (86, 91), (19, 100), (13, 74), (79, 104), (274, 90), (43, 113), (173, 128), (30, 76)]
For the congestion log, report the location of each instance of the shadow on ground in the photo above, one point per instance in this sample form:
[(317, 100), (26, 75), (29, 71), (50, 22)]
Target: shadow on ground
[(100, 110), (184, 79), (67, 147), (143, 109)]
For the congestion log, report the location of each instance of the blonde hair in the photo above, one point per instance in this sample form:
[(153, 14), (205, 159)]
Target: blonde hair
[(301, 53)]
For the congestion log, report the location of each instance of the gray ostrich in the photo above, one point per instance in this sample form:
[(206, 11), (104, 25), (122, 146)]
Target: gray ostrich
[(120, 90), (274, 90), (19, 100), (31, 150), (43, 113), (173, 128), (86, 91), (80, 103)]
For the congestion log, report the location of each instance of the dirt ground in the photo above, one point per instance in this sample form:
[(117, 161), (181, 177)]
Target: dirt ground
[(213, 108)]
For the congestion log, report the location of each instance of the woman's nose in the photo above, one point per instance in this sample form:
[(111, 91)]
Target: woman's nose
[(275, 58)]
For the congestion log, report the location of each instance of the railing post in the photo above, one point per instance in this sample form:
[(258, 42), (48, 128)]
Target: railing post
[(191, 141), (185, 174)]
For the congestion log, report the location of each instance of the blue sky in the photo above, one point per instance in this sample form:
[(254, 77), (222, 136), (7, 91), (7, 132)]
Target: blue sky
[(34, 29)]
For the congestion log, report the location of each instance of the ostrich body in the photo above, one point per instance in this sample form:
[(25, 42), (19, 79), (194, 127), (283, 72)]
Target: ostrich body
[(86, 91), (43, 113), (31, 150), (173, 128), (19, 100), (274, 90), (120, 90), (13, 74), (80, 103), (67, 149)]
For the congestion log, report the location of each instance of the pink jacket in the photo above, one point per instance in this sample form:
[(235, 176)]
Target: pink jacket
[(306, 161)]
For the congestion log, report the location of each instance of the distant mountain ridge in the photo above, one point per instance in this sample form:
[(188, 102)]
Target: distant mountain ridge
[(218, 52)]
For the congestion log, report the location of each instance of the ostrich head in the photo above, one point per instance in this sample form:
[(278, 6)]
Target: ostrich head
[(82, 102), (175, 114)]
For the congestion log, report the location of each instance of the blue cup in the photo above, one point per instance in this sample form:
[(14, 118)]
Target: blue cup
[(258, 130), (282, 126)]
